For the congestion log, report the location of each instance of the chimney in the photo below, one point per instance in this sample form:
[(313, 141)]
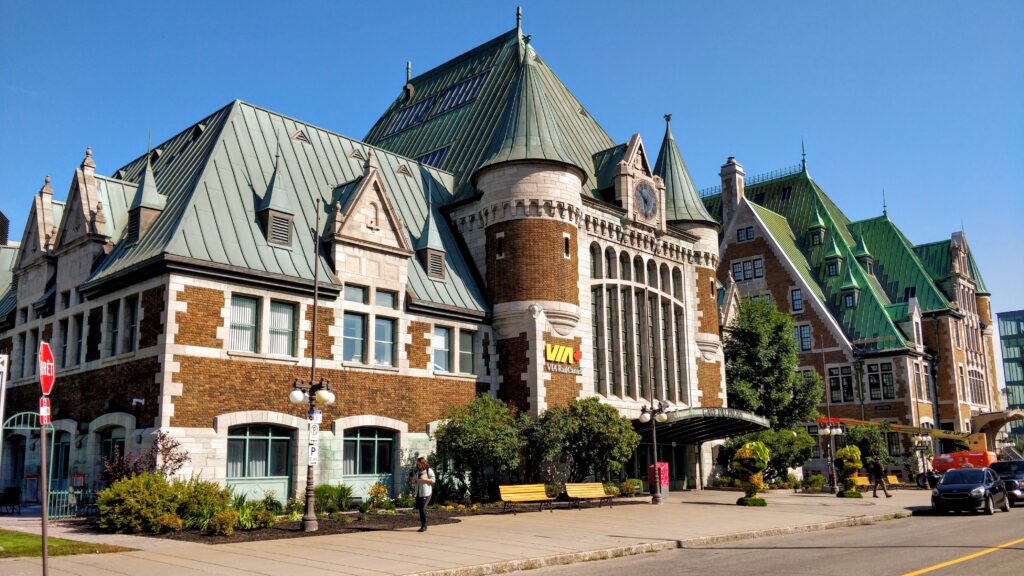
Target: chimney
[(732, 189), (5, 227)]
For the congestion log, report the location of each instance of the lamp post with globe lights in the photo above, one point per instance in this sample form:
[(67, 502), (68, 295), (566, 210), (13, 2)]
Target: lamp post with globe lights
[(831, 432), (655, 415)]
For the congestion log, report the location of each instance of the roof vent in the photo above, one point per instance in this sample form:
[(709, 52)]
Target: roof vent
[(434, 263), (404, 170), (279, 229), (301, 137), (155, 154), (357, 155)]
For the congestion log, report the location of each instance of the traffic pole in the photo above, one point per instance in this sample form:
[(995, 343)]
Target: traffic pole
[(46, 494)]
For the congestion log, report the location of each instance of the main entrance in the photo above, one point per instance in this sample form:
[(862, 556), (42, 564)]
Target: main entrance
[(22, 482)]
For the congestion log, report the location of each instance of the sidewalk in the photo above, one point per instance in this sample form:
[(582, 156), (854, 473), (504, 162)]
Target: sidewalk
[(481, 544)]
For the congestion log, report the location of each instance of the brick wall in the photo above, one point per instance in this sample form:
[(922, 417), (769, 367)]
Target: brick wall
[(514, 361), (324, 340), (707, 301), (561, 387), (198, 323), (92, 341), (152, 323), (87, 395), (418, 349), (534, 267), (211, 387), (709, 380), (945, 369)]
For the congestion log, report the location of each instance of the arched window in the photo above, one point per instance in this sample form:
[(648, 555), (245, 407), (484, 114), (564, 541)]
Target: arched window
[(368, 451), (61, 460), (609, 263), (652, 274), (677, 283), (111, 442), (595, 261), (624, 265), (666, 284), (260, 460), (638, 269)]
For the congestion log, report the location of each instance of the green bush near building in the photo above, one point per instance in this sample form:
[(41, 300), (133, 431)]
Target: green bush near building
[(847, 465)]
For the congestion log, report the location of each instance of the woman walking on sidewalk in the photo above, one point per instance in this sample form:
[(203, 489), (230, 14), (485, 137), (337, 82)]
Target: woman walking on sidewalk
[(422, 481)]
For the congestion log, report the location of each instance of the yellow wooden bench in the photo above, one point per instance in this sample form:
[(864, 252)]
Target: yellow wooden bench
[(893, 480), (587, 491), (861, 481), (512, 494)]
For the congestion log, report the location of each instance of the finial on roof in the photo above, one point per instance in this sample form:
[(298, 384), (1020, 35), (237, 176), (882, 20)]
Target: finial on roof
[(668, 118), (885, 209), (46, 189), (149, 142), (519, 19), (88, 161), (408, 70), (527, 38), (803, 155)]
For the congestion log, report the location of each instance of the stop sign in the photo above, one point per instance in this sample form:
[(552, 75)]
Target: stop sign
[(46, 367)]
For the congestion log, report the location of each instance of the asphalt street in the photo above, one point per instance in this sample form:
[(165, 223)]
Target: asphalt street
[(896, 547)]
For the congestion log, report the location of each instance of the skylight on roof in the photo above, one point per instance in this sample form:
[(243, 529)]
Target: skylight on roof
[(410, 116), (462, 93), (435, 158)]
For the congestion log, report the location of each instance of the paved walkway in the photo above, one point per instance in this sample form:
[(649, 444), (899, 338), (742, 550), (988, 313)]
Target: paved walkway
[(479, 544)]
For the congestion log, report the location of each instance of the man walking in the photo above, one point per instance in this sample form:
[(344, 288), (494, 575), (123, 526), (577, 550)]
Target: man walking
[(878, 472), (421, 479)]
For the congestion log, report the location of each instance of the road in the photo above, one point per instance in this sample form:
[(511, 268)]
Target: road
[(895, 547)]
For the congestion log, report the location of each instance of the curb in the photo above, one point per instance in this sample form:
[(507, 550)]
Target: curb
[(635, 549)]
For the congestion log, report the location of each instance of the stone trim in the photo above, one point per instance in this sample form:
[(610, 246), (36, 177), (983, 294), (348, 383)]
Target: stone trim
[(222, 422)]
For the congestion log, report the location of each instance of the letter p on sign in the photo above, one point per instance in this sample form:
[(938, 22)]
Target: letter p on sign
[(46, 368)]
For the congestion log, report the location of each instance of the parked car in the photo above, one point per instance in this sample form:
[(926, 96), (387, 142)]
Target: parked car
[(970, 489), (1012, 474)]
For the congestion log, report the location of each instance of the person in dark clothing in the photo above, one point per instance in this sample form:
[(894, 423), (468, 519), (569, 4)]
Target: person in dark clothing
[(421, 479), (878, 473)]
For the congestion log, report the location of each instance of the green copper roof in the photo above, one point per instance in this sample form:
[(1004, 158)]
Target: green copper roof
[(862, 248), (936, 258), (816, 223), (146, 195), (849, 282), (470, 127), (606, 163), (833, 251), (779, 229), (681, 200), (276, 197), (528, 130), (429, 237), (980, 287)]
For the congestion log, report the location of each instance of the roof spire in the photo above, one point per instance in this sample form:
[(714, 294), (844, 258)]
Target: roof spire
[(885, 209), (682, 203), (276, 197), (146, 194), (803, 155), (430, 238), (519, 19), (408, 71)]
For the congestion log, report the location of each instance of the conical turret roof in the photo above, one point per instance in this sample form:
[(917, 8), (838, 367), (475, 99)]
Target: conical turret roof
[(682, 203), (146, 195), (528, 129), (277, 194)]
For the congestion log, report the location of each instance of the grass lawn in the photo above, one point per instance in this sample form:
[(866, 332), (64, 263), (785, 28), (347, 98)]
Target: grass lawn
[(22, 544)]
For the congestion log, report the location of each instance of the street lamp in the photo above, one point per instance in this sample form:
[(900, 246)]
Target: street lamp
[(655, 415), (922, 441), (831, 432), (311, 392)]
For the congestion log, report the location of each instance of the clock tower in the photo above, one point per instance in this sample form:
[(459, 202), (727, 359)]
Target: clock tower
[(637, 189)]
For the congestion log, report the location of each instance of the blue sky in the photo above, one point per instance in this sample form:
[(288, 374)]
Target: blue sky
[(923, 99)]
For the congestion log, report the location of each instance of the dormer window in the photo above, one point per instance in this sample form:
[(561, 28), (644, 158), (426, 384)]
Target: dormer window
[(868, 264), (817, 237), (832, 267), (849, 300), (434, 264)]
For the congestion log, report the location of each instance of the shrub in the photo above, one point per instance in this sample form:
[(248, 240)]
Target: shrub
[(553, 490), (341, 518), (379, 496), (263, 518), (847, 465), (168, 523), (786, 448), (747, 466), (477, 441), (133, 504), (631, 487), (199, 500), (223, 523), (611, 489), (326, 497), (271, 503), (405, 500), (814, 482), (595, 438), (165, 457)]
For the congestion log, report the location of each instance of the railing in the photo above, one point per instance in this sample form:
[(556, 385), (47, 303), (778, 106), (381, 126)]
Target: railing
[(69, 503), (755, 179)]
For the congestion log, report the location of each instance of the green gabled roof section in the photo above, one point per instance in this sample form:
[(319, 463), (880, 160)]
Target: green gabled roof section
[(862, 248), (682, 203), (606, 163), (212, 201), (470, 128), (276, 196), (897, 265), (849, 282), (528, 130), (980, 287), (833, 251), (816, 222), (936, 259), (713, 204), (146, 194), (779, 229), (430, 238), (117, 197)]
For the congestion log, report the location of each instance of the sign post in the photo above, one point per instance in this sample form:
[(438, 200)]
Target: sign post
[(3, 399), (46, 376)]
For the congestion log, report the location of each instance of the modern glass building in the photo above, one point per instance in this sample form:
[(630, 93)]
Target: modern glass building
[(1011, 336)]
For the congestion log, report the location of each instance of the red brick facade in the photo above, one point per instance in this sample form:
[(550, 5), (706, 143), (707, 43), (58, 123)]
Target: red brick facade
[(324, 340), (198, 323), (515, 361), (151, 326), (534, 266), (562, 387), (709, 379), (211, 387), (418, 349), (707, 300)]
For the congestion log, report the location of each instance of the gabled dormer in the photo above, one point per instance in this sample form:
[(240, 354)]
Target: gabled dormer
[(833, 260), (84, 214), (146, 206), (816, 230), (850, 290), (275, 210), (429, 248), (863, 255), (41, 230), (637, 188)]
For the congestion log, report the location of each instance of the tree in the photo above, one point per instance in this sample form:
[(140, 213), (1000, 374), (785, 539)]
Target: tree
[(870, 440), (748, 465), (787, 449), (541, 442), (596, 440), (760, 365), (479, 440), (847, 465)]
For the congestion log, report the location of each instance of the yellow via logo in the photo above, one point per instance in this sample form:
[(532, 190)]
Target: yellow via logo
[(560, 353)]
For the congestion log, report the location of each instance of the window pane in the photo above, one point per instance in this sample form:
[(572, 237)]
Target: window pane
[(366, 454), (236, 458), (257, 458), (386, 299), (737, 271), (282, 328), (348, 464), (244, 323), (355, 294), (758, 268), (279, 461), (466, 365), (442, 348), (748, 270), (383, 458), (384, 341), (354, 337)]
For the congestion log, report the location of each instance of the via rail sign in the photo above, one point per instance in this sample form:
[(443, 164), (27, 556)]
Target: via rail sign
[(46, 368)]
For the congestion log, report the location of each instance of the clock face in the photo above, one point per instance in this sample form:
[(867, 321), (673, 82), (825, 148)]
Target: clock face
[(646, 199)]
